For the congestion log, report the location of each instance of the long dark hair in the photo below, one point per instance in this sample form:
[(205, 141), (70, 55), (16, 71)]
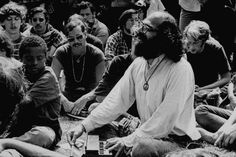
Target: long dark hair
[(171, 40)]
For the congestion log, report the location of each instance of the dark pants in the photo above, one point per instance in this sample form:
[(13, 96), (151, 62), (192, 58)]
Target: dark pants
[(186, 17), (211, 118)]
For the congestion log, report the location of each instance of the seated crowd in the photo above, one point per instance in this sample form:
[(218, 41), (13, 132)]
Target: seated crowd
[(172, 88)]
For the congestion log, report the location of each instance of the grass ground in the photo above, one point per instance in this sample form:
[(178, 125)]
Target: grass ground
[(67, 123)]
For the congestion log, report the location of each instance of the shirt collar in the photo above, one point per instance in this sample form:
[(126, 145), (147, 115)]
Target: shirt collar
[(156, 61)]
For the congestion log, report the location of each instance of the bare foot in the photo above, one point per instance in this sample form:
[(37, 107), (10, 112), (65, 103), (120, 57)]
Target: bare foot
[(206, 135)]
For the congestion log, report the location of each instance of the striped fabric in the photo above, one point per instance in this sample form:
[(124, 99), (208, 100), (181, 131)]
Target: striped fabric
[(52, 36), (16, 46)]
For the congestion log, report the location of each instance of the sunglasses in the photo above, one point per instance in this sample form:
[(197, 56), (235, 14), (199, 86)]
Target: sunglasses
[(38, 19), (142, 27), (71, 39)]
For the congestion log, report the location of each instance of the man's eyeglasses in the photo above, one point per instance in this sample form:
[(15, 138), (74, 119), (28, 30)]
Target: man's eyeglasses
[(141, 27), (38, 19), (71, 39)]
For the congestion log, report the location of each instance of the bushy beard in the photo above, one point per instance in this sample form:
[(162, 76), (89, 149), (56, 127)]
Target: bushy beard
[(147, 48)]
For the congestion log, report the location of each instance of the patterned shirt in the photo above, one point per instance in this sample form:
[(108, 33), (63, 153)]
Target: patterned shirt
[(116, 45), (52, 36), (16, 45)]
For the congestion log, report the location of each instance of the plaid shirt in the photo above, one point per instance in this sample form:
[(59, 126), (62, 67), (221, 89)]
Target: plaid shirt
[(116, 45)]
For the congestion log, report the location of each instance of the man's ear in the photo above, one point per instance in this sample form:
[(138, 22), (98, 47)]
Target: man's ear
[(30, 22)]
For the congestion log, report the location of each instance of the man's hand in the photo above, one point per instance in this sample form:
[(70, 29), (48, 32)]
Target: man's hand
[(81, 102), (67, 105), (116, 144), (75, 133)]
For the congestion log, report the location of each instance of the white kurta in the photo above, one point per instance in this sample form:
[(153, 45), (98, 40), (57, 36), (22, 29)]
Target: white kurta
[(165, 108)]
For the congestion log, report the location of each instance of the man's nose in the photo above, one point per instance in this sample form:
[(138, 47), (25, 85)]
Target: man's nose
[(13, 22), (34, 62)]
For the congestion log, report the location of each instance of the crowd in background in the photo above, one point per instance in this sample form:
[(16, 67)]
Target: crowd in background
[(67, 55)]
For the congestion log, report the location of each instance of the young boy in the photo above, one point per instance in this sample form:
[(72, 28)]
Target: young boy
[(12, 16), (43, 89)]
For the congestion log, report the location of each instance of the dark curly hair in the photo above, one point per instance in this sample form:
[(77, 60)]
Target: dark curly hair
[(12, 8), (31, 41), (171, 40)]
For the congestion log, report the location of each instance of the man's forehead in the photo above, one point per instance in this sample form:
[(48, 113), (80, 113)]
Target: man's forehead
[(155, 19), (40, 14), (13, 15)]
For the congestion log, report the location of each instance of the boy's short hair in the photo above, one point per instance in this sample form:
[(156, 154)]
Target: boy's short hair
[(6, 44), (12, 8), (32, 41)]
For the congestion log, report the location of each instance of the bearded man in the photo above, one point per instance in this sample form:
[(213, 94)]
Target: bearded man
[(162, 83)]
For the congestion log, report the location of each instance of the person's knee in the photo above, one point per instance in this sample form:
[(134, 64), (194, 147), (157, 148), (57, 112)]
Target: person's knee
[(200, 113), (40, 135)]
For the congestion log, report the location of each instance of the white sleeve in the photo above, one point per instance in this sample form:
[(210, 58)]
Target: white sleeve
[(117, 102)]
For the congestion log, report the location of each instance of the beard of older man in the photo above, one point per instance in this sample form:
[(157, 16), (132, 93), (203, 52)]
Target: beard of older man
[(147, 48)]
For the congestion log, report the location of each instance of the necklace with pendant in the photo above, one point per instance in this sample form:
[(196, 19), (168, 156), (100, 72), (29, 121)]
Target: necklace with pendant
[(146, 79), (73, 69)]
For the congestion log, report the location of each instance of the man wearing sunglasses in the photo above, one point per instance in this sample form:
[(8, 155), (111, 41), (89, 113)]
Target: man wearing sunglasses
[(39, 19), (83, 64), (161, 81)]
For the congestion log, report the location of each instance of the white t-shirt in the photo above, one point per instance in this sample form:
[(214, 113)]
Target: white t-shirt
[(155, 5)]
